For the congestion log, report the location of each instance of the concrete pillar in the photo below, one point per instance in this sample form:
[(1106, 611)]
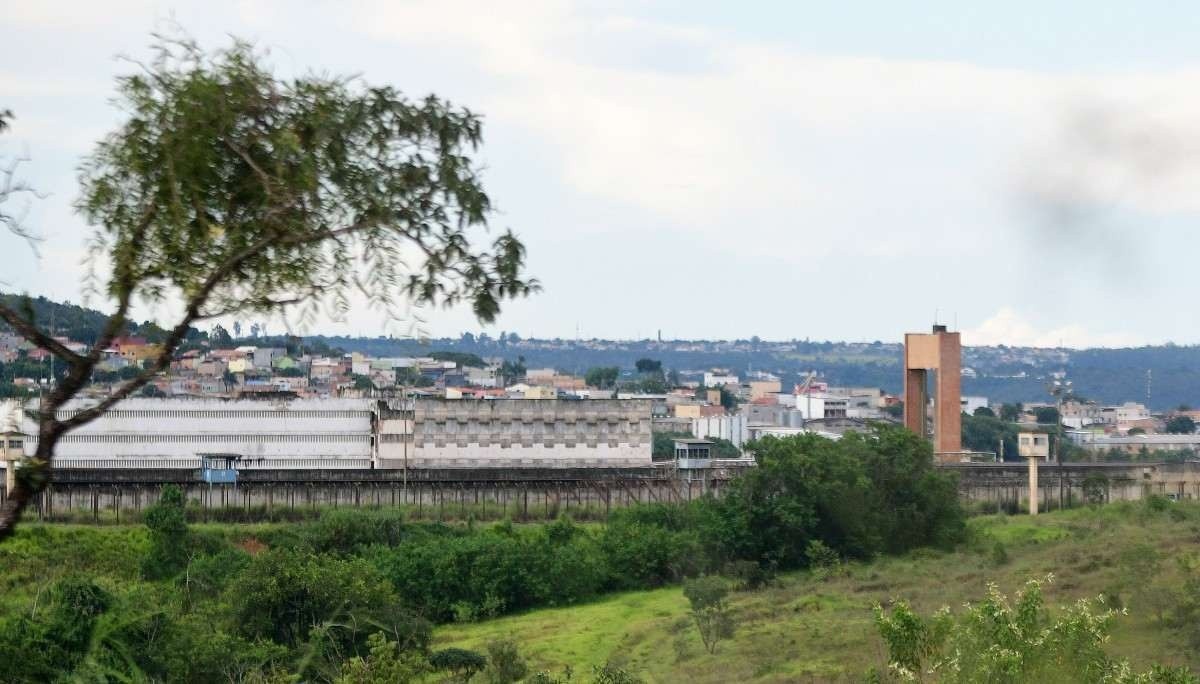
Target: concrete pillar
[(915, 400), (1033, 486)]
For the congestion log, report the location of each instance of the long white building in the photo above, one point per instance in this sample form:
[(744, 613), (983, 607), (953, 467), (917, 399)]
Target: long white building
[(358, 434), (176, 433)]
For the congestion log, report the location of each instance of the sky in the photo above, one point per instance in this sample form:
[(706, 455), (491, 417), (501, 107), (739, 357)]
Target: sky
[(1024, 172)]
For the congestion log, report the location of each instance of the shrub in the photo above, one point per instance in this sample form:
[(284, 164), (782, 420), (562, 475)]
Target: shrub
[(748, 575), (707, 597), (505, 664), (998, 555), (345, 531), (822, 560), (464, 664)]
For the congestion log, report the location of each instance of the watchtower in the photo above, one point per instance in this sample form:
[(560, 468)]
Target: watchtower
[(939, 352), (1033, 447)]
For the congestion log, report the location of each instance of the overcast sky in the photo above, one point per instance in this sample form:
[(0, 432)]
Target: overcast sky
[(713, 169)]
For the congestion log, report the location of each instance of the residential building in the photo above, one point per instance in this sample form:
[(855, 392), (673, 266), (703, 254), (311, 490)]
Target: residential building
[(972, 404), (720, 379), (697, 410), (731, 428)]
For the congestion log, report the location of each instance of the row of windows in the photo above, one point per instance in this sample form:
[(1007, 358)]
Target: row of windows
[(213, 439), (509, 462), (522, 428), (194, 463), (529, 443), (538, 418)]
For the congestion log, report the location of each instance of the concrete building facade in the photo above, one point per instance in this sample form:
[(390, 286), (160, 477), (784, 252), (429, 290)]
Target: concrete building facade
[(525, 434)]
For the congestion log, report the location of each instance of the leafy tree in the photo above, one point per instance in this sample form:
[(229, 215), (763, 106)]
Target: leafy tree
[(648, 366), (1136, 431), (464, 664), (511, 370), (167, 523), (1046, 415), (283, 594), (651, 384), (603, 378), (461, 358), (895, 410), (663, 444), (861, 495), (984, 433), (723, 448), (233, 191), (1011, 412), (385, 664), (708, 598), (984, 411), (362, 382), (1181, 425), (220, 337), (411, 376)]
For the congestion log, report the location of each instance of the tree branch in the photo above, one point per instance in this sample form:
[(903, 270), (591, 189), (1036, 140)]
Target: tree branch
[(126, 283)]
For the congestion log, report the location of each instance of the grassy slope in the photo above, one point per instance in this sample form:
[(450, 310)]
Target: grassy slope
[(802, 629)]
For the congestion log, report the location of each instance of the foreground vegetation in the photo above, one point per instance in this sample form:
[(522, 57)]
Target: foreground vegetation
[(180, 602), (776, 580), (820, 624)]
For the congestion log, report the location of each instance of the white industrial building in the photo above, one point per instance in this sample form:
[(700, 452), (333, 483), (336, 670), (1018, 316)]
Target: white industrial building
[(174, 433), (357, 434)]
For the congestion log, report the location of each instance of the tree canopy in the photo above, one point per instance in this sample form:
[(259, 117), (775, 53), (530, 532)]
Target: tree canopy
[(229, 190), (1181, 425)]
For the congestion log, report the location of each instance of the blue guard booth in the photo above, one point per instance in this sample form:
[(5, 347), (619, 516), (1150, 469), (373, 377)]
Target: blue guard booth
[(219, 468)]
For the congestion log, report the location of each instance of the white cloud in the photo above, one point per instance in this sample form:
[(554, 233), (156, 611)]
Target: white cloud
[(784, 165), (1008, 327)]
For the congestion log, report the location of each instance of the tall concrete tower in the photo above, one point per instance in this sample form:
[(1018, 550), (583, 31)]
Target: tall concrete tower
[(941, 353)]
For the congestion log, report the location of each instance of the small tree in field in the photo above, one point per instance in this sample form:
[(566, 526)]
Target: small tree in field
[(230, 191), (710, 609)]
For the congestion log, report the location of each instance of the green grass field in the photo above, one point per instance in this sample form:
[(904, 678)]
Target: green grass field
[(805, 629)]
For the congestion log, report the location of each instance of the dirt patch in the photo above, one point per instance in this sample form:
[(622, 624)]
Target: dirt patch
[(251, 545)]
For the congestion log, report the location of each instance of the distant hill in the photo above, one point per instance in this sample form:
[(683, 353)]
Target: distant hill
[(76, 322), (1003, 374)]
